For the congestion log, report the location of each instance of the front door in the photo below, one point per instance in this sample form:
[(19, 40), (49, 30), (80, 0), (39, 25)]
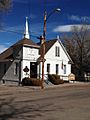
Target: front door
[(33, 69)]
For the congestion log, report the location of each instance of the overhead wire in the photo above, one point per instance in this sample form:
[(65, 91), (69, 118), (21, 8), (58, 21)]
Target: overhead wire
[(16, 32)]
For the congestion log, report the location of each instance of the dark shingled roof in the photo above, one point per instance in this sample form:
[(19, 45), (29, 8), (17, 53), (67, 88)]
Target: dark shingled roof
[(26, 41), (7, 53), (48, 45)]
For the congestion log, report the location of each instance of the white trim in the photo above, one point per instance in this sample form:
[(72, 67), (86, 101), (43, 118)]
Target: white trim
[(64, 49)]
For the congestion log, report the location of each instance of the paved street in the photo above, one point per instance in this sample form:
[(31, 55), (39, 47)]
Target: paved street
[(65, 102)]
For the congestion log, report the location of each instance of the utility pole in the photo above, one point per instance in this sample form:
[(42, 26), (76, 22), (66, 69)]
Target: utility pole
[(43, 39)]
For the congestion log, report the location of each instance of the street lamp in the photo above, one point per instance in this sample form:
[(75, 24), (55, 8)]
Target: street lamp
[(46, 17)]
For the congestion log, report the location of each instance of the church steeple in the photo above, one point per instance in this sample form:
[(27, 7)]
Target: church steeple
[(26, 33)]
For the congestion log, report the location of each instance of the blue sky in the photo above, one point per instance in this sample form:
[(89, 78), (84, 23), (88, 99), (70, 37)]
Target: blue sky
[(73, 12)]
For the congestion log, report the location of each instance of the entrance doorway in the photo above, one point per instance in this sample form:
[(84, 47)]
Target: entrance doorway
[(33, 69)]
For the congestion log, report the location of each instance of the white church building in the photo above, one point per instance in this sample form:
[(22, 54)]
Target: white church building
[(26, 53)]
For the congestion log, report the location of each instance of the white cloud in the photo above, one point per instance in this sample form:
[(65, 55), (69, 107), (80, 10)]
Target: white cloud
[(67, 28), (14, 29), (79, 18), (2, 48), (85, 18), (73, 17)]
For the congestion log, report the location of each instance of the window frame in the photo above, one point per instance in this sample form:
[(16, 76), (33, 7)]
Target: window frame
[(48, 68), (5, 67), (57, 51), (16, 68), (64, 69), (57, 69)]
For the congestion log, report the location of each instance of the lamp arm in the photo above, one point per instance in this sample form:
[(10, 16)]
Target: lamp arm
[(46, 17), (50, 14), (53, 11)]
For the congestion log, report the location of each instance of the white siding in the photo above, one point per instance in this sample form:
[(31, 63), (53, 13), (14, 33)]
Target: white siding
[(30, 53), (51, 53), (24, 64), (53, 60)]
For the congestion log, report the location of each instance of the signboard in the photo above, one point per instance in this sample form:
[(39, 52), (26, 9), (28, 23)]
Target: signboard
[(71, 76)]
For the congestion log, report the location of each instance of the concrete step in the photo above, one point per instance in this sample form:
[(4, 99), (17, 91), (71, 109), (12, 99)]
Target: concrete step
[(47, 83)]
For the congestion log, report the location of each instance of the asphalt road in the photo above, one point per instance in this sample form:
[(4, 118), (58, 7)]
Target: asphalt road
[(65, 102)]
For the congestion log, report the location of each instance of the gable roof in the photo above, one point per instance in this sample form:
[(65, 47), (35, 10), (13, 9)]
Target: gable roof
[(27, 42), (65, 51), (49, 44), (8, 53)]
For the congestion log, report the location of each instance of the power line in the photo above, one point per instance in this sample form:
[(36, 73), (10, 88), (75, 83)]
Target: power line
[(20, 33), (11, 31)]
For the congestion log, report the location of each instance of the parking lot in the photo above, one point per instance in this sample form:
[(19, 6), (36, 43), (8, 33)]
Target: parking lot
[(63, 102)]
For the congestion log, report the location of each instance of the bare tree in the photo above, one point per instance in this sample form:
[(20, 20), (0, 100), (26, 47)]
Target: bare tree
[(78, 46), (5, 4)]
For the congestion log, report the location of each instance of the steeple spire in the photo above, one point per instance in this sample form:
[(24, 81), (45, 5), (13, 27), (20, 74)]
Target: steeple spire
[(26, 33)]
